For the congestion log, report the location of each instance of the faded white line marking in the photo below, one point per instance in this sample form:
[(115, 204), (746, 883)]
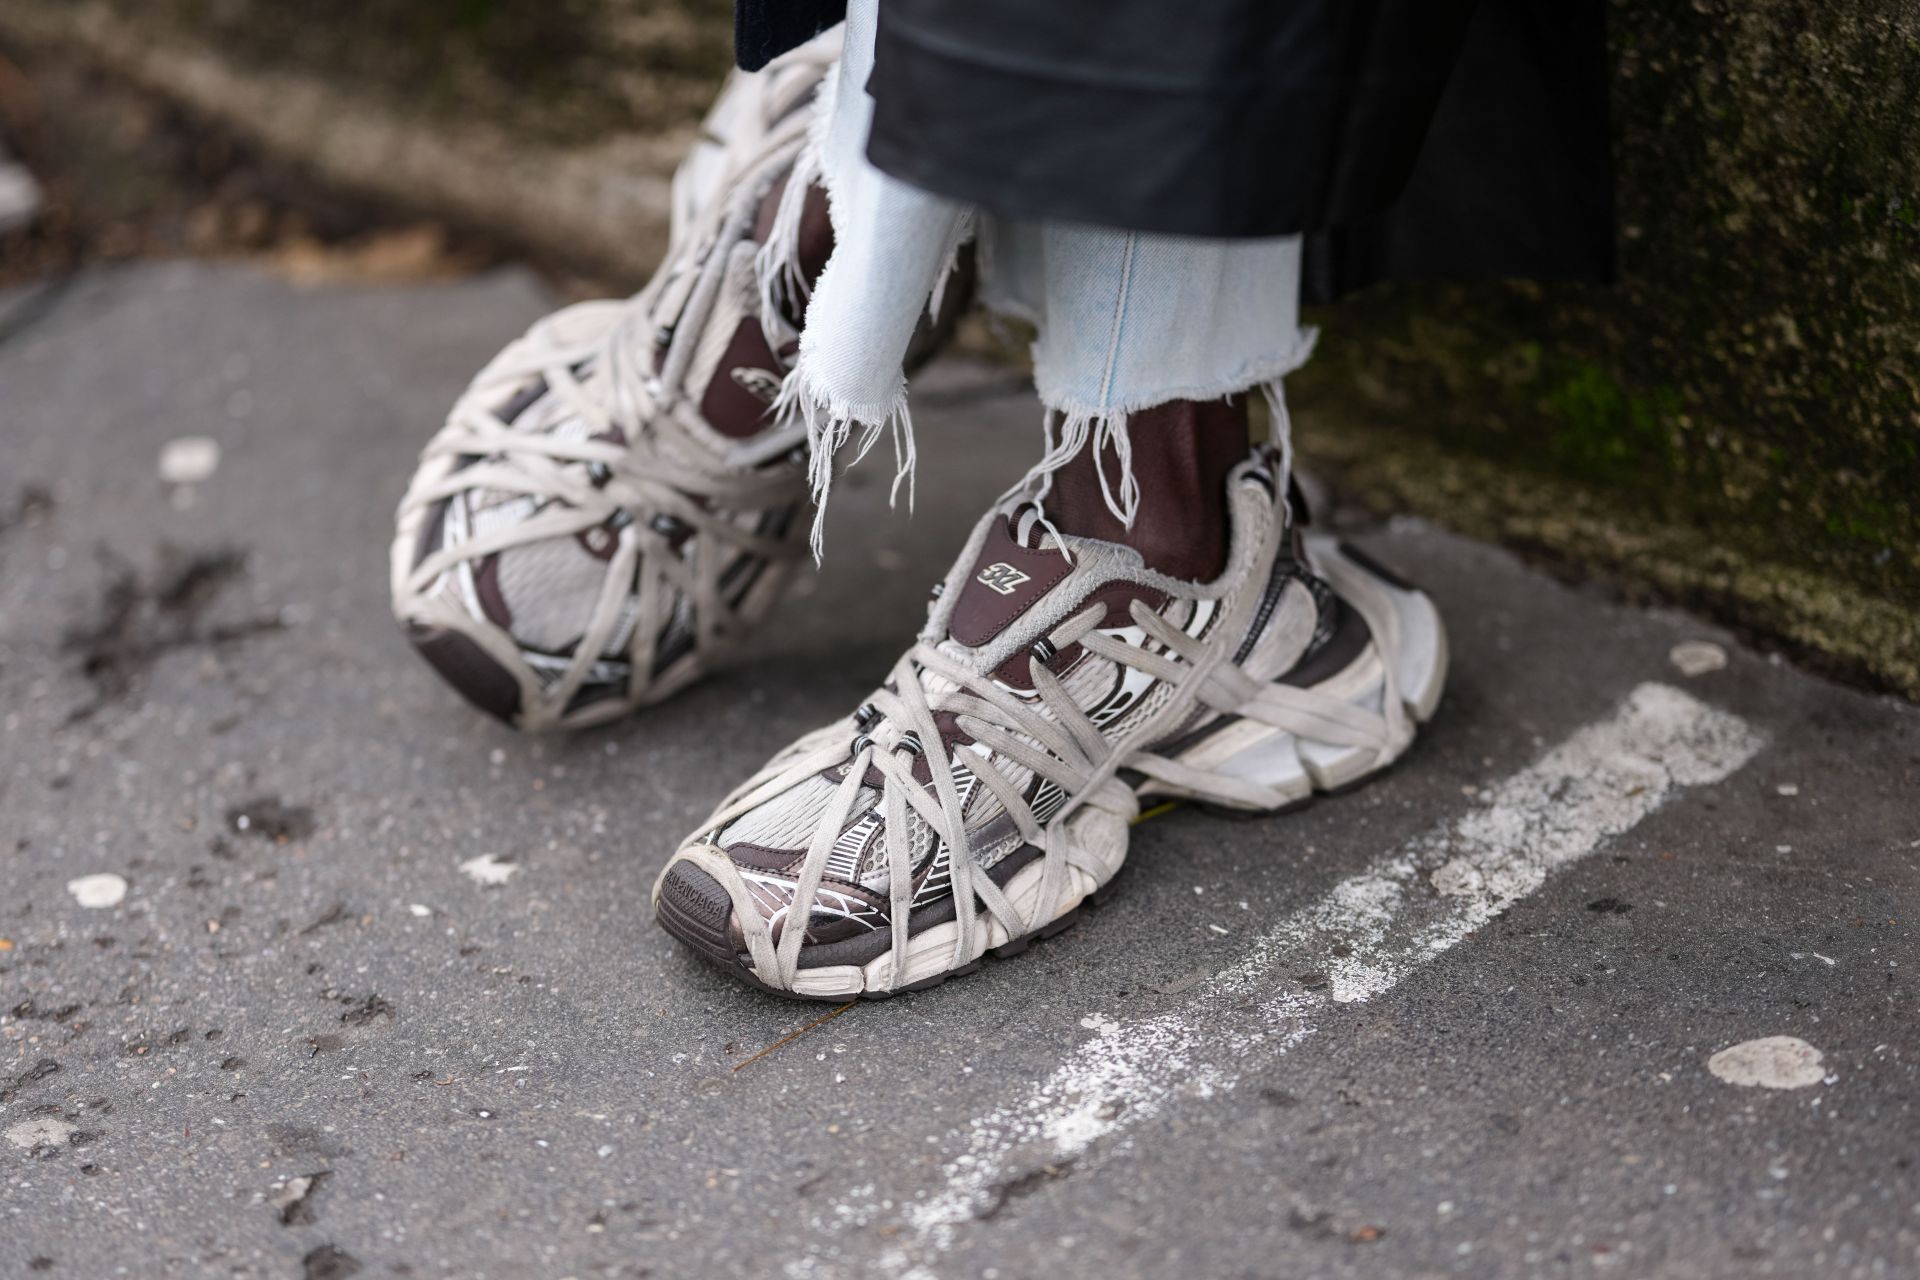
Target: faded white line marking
[(1369, 932)]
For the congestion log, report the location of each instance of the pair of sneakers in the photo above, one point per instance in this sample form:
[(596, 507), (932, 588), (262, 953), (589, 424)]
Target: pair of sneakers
[(610, 510)]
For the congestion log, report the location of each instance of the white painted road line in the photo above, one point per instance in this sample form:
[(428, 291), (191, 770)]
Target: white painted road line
[(1367, 934)]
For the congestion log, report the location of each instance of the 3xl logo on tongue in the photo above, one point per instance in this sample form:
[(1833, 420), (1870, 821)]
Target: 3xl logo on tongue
[(1002, 577), (758, 383)]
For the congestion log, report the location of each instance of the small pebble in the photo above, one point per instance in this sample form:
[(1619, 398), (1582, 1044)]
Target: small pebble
[(489, 870), (1697, 657), (98, 892), (1771, 1062), (189, 459)]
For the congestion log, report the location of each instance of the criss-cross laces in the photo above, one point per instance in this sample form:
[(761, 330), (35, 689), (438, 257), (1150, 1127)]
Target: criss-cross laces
[(1048, 735), (635, 462)]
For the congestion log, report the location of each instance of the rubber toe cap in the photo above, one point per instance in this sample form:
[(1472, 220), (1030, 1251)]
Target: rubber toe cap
[(470, 669), (695, 908)]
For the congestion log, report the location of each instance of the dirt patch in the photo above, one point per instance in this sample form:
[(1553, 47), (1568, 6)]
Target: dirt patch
[(268, 818), (330, 1262), (1006, 1192), (304, 1140), (34, 504), (366, 1010), (296, 1199), (136, 618)]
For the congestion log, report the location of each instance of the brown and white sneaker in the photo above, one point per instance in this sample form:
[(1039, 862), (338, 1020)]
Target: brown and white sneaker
[(987, 789), (609, 508)]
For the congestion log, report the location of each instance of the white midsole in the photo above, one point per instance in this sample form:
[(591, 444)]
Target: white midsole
[(1274, 758)]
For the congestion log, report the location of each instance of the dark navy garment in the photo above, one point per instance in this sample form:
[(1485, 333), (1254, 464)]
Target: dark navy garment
[(1403, 137), (765, 29)]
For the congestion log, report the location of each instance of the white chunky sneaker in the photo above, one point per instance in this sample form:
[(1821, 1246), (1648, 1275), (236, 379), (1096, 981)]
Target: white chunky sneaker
[(609, 509), (986, 790)]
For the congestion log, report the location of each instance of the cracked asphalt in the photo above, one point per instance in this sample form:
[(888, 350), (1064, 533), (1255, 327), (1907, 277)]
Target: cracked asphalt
[(299, 1040)]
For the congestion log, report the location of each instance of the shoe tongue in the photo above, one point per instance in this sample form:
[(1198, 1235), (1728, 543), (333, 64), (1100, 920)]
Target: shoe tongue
[(1007, 580), (737, 371)]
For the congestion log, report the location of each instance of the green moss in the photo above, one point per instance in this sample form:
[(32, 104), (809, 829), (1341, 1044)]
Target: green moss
[(1606, 432)]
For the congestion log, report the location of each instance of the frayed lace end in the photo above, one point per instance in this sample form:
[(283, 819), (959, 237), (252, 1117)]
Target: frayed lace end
[(1279, 427), (1077, 430), (784, 289), (830, 425)]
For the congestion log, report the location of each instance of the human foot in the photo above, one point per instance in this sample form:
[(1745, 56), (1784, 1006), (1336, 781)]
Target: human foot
[(1045, 700)]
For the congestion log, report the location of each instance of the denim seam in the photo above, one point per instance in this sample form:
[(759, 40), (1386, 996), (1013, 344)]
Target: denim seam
[(1119, 319)]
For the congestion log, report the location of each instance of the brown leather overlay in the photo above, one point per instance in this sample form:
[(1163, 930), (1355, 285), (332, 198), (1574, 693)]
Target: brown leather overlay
[(1004, 583), (744, 385)]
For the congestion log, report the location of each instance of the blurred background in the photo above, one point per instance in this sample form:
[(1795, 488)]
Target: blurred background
[(1733, 427)]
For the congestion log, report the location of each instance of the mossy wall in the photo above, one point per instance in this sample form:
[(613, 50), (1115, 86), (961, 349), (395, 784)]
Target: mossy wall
[(1751, 386)]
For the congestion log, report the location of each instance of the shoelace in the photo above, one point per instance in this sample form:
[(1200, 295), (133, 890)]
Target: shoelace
[(1064, 747)]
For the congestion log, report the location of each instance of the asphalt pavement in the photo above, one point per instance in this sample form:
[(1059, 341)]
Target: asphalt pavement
[(1614, 976)]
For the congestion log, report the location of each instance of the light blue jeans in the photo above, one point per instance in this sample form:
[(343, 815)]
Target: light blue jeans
[(1125, 319)]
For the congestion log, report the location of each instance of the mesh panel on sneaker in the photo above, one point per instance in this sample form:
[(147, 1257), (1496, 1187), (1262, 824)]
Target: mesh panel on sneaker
[(788, 820)]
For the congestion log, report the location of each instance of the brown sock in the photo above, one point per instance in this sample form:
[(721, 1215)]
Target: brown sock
[(735, 410), (1182, 452)]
